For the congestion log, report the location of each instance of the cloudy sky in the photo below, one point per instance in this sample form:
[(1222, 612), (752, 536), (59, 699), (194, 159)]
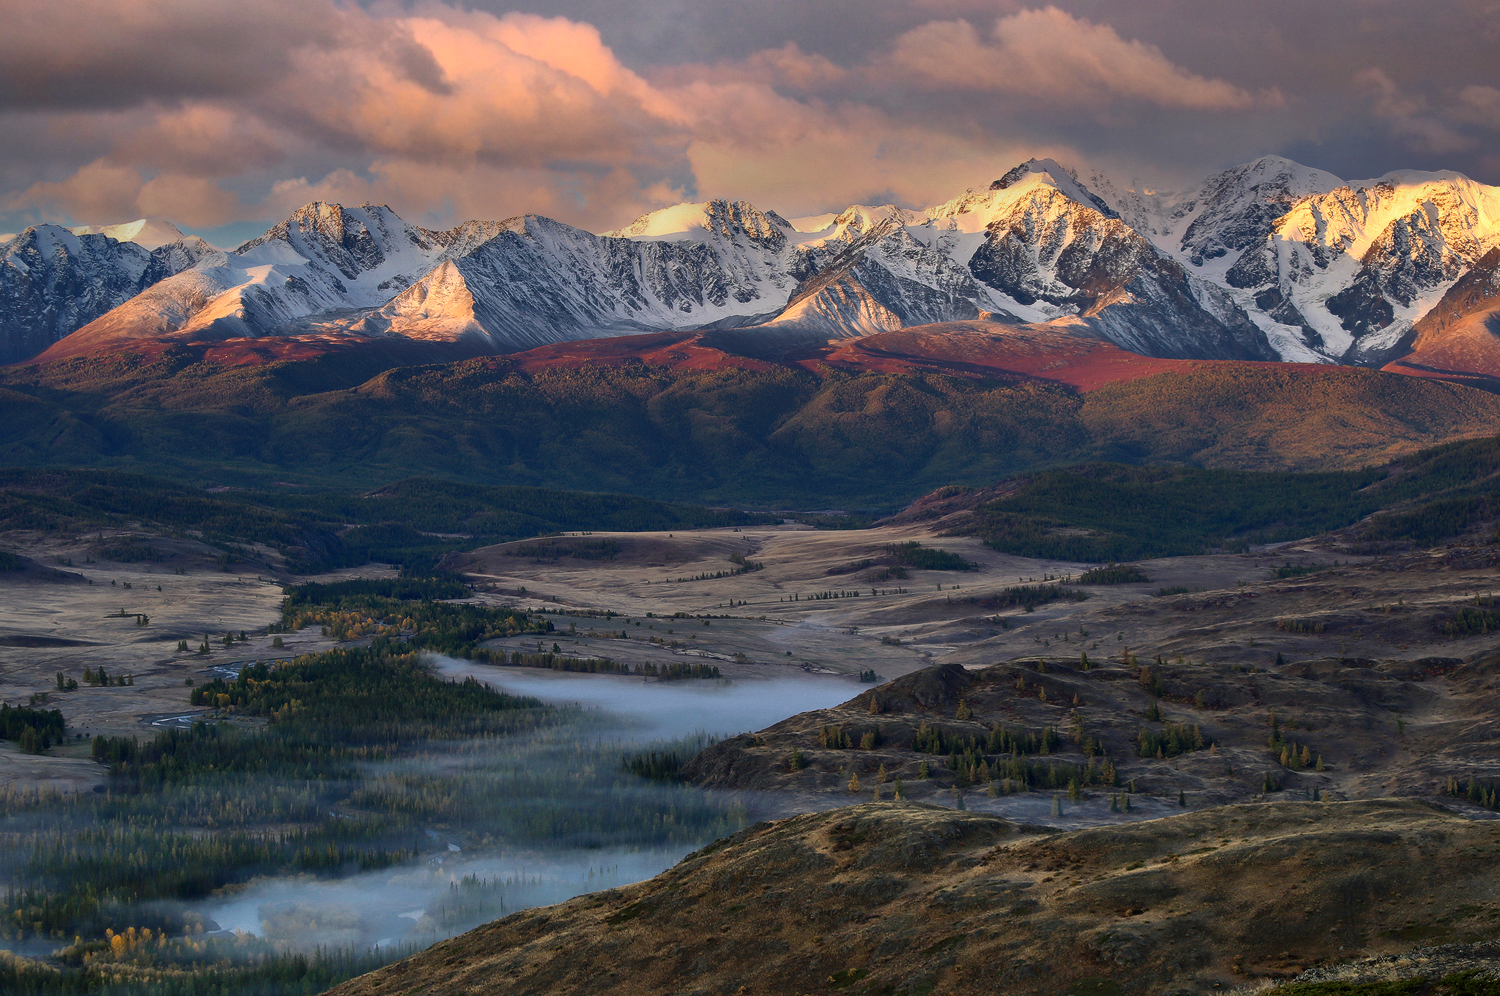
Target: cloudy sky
[(223, 115)]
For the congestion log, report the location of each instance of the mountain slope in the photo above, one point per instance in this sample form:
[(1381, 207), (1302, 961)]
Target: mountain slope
[(1355, 267), (886, 279), (511, 284), (53, 281), (321, 258), (1035, 244), (864, 423), (1332, 271), (907, 898), (1046, 247), (1460, 336)]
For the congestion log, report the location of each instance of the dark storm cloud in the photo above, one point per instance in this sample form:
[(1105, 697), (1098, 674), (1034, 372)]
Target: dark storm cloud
[(116, 53)]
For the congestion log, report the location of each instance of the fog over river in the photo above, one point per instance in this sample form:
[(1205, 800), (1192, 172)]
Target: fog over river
[(536, 819), (637, 711)]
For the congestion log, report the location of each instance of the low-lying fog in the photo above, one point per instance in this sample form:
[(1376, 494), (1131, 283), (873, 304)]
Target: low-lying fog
[(639, 710), (588, 825)]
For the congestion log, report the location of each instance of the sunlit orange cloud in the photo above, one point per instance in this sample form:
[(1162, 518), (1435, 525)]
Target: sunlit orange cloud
[(1062, 59), (104, 191), (204, 139), (97, 190), (480, 192), (518, 90), (448, 113), (808, 157)]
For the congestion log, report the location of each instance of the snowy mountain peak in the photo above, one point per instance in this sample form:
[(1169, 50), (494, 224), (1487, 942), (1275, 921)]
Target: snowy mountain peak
[(53, 281), (47, 240), (708, 220), (1352, 218), (1053, 173), (148, 233), (1284, 172), (322, 223), (354, 241), (1035, 181), (860, 219), (1419, 177), (852, 223), (1236, 208)]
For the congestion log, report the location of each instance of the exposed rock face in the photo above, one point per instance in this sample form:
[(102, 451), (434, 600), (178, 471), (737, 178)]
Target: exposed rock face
[(886, 280), (1460, 336), (1331, 271), (1049, 248), (1236, 209), (351, 241), (905, 898), (53, 282), (1362, 307)]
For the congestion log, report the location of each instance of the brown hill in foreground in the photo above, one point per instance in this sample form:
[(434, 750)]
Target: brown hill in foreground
[(1467, 353), (360, 351), (906, 898)]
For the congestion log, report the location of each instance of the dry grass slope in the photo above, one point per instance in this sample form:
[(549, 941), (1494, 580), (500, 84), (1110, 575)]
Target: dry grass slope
[(909, 899)]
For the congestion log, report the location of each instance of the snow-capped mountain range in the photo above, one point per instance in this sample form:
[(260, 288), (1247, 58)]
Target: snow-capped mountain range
[(1266, 261), (55, 280)]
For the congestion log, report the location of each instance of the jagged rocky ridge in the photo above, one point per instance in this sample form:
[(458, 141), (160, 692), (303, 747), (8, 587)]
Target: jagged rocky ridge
[(1269, 260), (53, 281)]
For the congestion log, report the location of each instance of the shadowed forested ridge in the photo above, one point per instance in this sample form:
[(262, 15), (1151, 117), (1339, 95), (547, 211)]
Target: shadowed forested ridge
[(1257, 453), (770, 436), (412, 522), (1113, 512)]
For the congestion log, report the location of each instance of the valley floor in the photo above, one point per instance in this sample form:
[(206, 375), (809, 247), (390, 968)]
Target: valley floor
[(811, 603), (1383, 668)]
